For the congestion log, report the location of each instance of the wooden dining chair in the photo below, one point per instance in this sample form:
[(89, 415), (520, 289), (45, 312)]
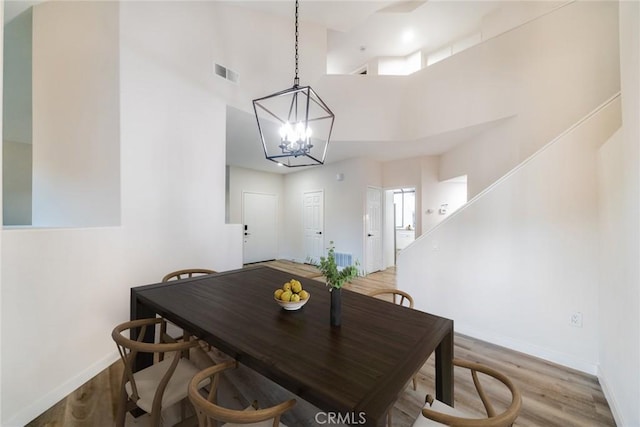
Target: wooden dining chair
[(436, 413), (187, 273), (179, 275), (395, 295), (398, 297), (209, 413), (158, 386)]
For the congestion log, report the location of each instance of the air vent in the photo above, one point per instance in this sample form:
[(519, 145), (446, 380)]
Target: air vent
[(226, 73), (232, 76), (343, 259)]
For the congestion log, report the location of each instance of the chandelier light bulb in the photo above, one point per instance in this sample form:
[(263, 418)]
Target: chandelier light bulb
[(287, 133), (295, 139), (300, 131)]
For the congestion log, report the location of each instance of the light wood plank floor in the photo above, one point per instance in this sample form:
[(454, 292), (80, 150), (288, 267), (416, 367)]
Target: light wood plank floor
[(552, 395)]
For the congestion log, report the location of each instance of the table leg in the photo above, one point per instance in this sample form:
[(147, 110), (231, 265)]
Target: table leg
[(444, 369), (140, 311)]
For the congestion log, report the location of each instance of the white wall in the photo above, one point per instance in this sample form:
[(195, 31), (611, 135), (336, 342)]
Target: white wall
[(16, 185), (17, 76), (569, 55), (68, 289), (344, 205), (257, 46), (243, 180), (171, 109), (619, 208), (435, 193), (247, 180), (503, 19), (358, 98), (76, 145), (422, 173), (1, 204), (513, 264), (172, 178), (16, 134), (172, 173), (618, 295)]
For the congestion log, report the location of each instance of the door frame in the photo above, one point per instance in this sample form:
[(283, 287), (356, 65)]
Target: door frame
[(320, 190), (277, 219), (364, 225)]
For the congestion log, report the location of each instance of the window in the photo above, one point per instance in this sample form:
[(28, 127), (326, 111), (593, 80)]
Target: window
[(404, 200)]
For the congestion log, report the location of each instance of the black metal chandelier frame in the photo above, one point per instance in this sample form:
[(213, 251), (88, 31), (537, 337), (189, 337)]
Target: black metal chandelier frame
[(301, 147)]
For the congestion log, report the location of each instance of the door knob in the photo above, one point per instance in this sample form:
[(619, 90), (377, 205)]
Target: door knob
[(318, 232), (369, 235)]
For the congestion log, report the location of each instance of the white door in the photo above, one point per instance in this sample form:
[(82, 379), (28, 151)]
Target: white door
[(313, 224), (259, 216), (373, 225)]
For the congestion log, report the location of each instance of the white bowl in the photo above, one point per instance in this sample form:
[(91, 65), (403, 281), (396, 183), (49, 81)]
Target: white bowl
[(288, 305)]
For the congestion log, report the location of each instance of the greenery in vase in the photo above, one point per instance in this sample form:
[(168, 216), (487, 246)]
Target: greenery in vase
[(329, 269)]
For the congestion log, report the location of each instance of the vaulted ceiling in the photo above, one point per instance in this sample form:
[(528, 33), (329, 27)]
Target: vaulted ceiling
[(361, 31)]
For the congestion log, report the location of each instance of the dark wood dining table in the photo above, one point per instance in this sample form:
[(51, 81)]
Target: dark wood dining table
[(357, 369)]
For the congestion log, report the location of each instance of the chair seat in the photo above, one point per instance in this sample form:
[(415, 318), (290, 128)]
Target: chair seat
[(439, 407), (265, 423), (147, 381)]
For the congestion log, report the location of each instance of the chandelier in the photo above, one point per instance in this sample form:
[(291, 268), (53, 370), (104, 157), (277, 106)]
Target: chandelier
[(295, 124)]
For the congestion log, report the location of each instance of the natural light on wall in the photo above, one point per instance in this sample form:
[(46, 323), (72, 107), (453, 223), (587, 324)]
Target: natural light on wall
[(456, 47), (400, 66), (62, 123), (405, 65)]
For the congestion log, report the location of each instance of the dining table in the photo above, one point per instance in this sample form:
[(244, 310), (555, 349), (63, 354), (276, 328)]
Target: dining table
[(356, 370)]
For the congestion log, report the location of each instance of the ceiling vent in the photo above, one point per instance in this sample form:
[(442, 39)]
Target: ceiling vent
[(226, 73)]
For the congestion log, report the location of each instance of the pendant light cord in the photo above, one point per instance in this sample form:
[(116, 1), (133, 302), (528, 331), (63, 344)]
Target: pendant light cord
[(296, 80)]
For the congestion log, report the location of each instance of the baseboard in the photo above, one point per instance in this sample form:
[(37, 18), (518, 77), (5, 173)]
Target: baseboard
[(530, 349), (27, 414), (613, 404)]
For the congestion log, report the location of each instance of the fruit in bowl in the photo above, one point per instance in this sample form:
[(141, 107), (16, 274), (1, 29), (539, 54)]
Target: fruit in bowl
[(291, 296)]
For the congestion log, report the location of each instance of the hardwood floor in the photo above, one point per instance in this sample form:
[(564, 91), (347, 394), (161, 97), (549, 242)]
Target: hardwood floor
[(552, 395)]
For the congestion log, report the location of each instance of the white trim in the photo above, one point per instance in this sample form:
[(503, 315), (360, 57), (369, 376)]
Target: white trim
[(323, 225), (529, 349), (28, 413), (613, 404), (380, 191)]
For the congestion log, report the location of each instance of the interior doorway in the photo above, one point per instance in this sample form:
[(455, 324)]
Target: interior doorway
[(400, 221), (313, 225), (259, 216), (374, 235)]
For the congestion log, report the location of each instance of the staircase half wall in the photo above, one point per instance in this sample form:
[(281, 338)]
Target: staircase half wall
[(521, 258)]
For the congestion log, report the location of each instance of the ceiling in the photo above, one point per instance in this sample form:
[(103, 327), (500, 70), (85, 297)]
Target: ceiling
[(359, 31), (244, 148)]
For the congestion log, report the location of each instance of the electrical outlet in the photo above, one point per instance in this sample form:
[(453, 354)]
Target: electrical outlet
[(576, 319)]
